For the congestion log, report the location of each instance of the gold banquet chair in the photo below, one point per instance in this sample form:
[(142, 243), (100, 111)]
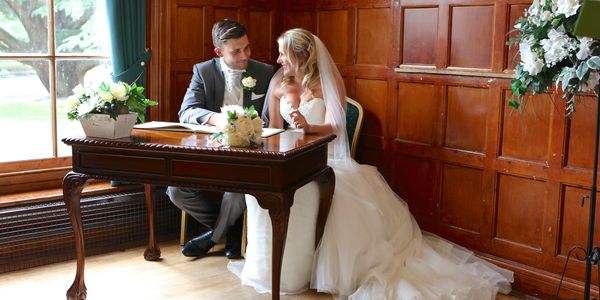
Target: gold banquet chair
[(354, 118)]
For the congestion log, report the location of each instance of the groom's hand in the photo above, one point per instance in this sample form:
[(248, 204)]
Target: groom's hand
[(217, 119)]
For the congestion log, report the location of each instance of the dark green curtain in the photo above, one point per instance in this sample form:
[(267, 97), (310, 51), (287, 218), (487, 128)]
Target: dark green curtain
[(127, 25)]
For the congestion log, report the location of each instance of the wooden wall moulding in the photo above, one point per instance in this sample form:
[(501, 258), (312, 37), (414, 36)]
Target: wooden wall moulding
[(433, 77)]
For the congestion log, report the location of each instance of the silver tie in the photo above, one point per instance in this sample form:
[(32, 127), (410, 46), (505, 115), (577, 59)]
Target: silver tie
[(234, 83)]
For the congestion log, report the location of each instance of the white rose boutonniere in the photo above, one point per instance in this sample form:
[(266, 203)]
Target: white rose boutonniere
[(248, 82), (243, 127)]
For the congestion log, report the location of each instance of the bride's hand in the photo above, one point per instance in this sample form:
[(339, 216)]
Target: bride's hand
[(299, 120)]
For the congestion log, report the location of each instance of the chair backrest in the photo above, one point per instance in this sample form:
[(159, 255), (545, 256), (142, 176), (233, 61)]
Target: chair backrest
[(354, 117)]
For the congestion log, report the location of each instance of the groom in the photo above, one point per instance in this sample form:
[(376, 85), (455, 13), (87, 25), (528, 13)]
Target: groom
[(215, 83)]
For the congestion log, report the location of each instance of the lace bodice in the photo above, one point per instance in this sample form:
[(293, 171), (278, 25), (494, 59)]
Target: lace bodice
[(313, 111)]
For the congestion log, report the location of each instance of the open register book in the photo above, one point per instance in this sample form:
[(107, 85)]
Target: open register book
[(173, 126)]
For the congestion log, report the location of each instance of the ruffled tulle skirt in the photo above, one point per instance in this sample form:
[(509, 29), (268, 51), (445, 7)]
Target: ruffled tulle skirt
[(372, 248)]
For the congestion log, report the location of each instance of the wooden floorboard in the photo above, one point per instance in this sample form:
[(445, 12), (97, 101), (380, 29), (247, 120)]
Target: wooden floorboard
[(126, 275)]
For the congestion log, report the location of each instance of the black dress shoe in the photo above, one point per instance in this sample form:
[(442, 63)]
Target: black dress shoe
[(233, 245), (198, 246), (233, 251)]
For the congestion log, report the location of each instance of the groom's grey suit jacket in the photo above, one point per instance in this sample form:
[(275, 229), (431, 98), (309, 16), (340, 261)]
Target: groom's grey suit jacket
[(207, 88)]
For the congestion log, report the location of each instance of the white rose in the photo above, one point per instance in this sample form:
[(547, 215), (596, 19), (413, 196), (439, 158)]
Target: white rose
[(227, 128), (531, 62), (258, 123), (119, 91), (244, 126), (105, 96), (567, 7), (249, 82), (235, 140), (233, 108), (79, 91), (243, 131)]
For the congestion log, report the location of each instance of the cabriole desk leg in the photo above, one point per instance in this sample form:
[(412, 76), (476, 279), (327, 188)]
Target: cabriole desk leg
[(326, 183), (73, 183), (152, 253), (278, 205)]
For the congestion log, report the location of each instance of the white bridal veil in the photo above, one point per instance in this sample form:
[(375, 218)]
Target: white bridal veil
[(334, 95)]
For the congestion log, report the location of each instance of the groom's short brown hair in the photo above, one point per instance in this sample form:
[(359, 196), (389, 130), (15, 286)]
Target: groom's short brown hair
[(225, 30)]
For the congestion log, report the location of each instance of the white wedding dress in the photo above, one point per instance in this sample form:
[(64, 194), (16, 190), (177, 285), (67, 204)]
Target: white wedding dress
[(372, 248)]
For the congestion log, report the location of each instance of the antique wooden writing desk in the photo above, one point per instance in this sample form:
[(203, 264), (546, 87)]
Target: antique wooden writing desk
[(271, 173)]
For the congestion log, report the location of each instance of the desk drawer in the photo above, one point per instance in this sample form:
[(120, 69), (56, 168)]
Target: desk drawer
[(222, 171), (122, 163)]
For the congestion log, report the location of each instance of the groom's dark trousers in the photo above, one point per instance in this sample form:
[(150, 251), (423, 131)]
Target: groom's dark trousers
[(203, 97)]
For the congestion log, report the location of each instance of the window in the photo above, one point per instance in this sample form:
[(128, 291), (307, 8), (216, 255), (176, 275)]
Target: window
[(42, 58)]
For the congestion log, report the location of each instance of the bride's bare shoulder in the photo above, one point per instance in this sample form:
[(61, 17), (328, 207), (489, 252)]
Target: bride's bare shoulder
[(276, 86), (317, 91)]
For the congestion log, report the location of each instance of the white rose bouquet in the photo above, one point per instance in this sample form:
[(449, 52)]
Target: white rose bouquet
[(243, 127), (552, 54), (108, 98)]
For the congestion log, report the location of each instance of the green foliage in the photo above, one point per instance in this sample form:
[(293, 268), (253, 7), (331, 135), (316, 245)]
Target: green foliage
[(251, 112), (75, 25)]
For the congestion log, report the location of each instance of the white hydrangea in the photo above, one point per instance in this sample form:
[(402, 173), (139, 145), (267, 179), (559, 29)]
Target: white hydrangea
[(567, 7), (531, 62), (556, 46)]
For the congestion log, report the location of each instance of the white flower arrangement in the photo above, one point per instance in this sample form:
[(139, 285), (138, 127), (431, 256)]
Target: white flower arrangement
[(551, 54), (111, 99), (248, 82), (243, 127)]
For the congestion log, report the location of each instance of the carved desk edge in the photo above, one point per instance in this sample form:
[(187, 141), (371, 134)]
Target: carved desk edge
[(191, 149), (204, 186)]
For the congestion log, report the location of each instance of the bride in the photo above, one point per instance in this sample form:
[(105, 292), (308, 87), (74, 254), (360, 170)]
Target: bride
[(372, 248)]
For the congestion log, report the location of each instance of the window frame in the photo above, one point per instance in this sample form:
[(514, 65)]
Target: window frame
[(48, 172)]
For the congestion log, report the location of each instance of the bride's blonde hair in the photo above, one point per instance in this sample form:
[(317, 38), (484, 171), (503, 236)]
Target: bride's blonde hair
[(298, 46)]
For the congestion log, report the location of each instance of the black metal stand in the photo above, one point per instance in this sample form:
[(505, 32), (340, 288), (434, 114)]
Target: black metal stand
[(592, 253)]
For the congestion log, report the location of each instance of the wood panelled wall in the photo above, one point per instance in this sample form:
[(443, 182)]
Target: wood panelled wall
[(432, 76)]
